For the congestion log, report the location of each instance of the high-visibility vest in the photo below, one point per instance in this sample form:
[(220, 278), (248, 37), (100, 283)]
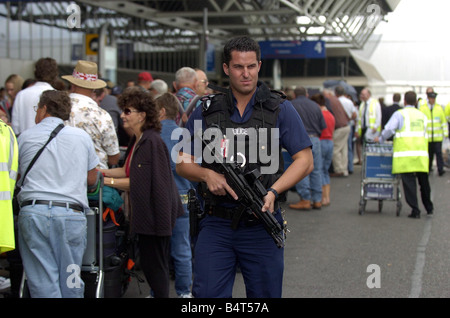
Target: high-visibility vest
[(372, 116), (437, 123), (410, 150), (447, 112), (9, 161)]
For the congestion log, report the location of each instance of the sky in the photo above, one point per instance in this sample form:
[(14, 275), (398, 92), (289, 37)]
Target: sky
[(417, 20), (413, 46)]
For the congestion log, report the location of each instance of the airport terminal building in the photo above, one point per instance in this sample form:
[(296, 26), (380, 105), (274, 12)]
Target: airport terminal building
[(303, 42)]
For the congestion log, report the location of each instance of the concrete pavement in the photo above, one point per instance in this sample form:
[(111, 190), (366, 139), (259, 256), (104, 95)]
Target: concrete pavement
[(334, 252)]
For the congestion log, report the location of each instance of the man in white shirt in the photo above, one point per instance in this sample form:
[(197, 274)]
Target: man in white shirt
[(89, 116), (369, 123), (23, 114), (352, 113)]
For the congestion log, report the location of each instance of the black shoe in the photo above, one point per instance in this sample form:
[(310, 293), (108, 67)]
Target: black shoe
[(430, 213), (441, 173), (414, 216)]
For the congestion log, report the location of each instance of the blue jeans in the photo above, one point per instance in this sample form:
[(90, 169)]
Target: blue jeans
[(180, 250), (219, 249), (326, 146), (52, 241), (310, 187)]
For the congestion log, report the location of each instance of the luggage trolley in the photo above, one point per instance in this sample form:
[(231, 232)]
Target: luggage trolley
[(92, 263), (377, 181), (104, 267)]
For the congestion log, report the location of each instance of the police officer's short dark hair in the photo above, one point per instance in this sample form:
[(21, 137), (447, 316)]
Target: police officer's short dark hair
[(58, 103), (410, 98), (240, 44)]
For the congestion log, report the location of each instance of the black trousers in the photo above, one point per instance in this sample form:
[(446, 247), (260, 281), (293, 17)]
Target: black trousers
[(154, 254), (435, 148), (410, 190)]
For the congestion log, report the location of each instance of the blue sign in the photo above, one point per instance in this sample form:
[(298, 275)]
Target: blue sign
[(379, 167), (210, 58), (292, 49), (77, 52)]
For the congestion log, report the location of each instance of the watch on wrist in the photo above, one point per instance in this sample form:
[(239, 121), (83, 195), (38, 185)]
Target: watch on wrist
[(274, 192)]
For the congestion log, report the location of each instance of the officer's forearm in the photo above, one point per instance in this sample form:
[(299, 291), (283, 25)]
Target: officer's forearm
[(301, 166), (187, 168)]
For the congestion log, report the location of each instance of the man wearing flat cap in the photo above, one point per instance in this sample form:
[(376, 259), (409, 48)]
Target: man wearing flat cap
[(437, 128), (89, 116)]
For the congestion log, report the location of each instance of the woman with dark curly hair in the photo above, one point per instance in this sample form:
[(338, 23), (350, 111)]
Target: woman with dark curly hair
[(154, 200)]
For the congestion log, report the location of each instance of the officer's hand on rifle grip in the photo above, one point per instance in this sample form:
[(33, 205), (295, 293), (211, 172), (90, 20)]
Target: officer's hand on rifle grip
[(218, 185), (269, 202)]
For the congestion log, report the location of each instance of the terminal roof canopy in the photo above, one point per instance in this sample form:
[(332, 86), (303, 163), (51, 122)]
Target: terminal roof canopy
[(180, 24)]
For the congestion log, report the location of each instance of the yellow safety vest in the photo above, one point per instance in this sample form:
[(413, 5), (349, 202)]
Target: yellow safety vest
[(410, 151), (9, 161), (372, 116), (447, 112), (437, 123)]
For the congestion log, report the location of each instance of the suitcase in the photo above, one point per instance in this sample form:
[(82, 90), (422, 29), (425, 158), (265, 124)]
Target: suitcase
[(104, 269)]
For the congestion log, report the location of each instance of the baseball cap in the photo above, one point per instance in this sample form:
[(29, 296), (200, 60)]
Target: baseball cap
[(145, 76)]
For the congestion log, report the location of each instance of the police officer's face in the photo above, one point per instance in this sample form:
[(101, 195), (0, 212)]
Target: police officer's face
[(243, 71)]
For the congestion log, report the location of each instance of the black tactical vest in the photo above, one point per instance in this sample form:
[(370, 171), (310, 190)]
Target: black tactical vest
[(251, 140)]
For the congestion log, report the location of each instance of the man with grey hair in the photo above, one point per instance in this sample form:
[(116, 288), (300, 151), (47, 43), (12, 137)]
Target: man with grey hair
[(158, 87), (185, 84)]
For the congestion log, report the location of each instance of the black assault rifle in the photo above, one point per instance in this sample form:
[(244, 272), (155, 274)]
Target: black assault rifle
[(250, 192)]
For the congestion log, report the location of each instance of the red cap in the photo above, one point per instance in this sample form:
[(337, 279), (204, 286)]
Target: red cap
[(145, 76)]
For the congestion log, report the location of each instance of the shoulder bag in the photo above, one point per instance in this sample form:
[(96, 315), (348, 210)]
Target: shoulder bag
[(16, 206)]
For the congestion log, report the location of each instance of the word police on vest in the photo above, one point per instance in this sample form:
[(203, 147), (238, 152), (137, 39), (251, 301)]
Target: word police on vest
[(230, 146)]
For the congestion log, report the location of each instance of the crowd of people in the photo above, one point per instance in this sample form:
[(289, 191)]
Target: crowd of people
[(331, 120), (81, 121), (349, 125)]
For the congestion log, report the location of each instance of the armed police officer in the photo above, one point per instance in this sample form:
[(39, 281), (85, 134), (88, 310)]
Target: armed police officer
[(228, 234)]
